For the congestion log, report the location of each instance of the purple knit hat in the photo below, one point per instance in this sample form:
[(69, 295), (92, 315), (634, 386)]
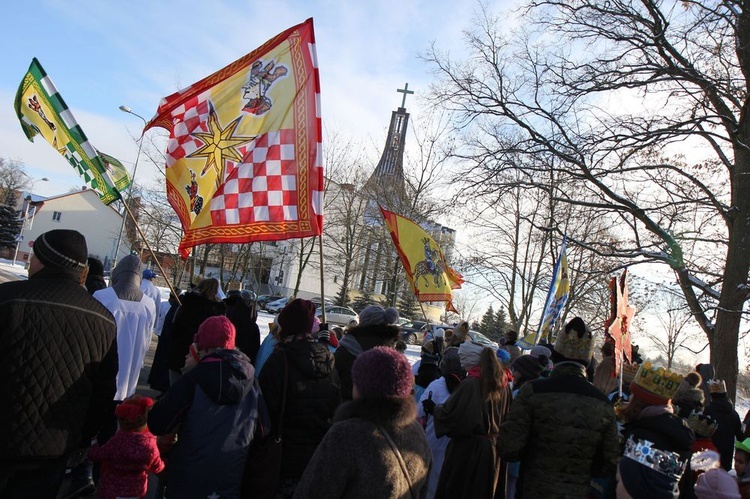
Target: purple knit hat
[(382, 372), (297, 317)]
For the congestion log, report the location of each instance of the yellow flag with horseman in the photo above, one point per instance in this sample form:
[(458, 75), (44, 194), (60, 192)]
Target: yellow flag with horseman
[(429, 274)]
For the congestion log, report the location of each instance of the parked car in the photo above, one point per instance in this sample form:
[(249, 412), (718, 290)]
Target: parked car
[(413, 332), (264, 300), (316, 301), (338, 315), (275, 307)]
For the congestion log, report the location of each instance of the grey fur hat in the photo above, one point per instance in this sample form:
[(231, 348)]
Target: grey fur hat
[(375, 315)]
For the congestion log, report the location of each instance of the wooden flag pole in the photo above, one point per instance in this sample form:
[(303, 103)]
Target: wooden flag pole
[(622, 359), (423, 312), (143, 236), (322, 285)]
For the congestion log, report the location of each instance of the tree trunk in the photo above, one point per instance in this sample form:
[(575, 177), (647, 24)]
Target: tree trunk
[(734, 288)]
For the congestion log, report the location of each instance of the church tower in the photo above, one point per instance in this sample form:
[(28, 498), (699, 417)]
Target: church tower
[(390, 168), (385, 187)]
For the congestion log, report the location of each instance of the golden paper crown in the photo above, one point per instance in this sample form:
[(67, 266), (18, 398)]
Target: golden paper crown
[(703, 426), (716, 386), (570, 345), (658, 381)]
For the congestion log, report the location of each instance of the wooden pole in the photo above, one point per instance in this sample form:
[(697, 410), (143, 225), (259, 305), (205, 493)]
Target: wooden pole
[(322, 284), (143, 236), (423, 312), (622, 359)]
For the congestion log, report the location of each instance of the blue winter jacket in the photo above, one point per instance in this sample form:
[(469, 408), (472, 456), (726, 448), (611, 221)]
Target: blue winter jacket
[(214, 410)]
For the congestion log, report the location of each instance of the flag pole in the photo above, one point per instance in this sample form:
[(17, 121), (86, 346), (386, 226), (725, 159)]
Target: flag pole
[(143, 236), (322, 284), (126, 109), (622, 358), (423, 312)]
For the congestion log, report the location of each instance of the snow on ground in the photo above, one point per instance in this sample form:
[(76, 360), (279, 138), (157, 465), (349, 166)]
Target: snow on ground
[(18, 270)]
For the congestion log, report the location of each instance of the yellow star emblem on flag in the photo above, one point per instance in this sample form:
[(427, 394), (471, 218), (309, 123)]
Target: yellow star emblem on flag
[(219, 144)]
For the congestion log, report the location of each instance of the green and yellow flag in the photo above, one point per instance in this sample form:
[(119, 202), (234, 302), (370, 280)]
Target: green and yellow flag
[(42, 110)]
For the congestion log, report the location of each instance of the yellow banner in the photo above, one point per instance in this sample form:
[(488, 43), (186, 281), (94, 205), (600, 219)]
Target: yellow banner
[(429, 274)]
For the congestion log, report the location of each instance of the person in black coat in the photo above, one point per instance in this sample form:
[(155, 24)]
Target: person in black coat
[(58, 366), (730, 427), (312, 390), (158, 376), (243, 314), (198, 305), (95, 279)]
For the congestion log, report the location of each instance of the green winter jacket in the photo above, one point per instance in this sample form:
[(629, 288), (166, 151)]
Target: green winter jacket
[(564, 432)]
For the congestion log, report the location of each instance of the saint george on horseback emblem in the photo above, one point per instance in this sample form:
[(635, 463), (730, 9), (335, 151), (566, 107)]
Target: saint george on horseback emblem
[(432, 265), (260, 81)]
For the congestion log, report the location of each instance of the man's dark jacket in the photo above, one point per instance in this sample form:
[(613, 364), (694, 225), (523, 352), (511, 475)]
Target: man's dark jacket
[(730, 427), (564, 432), (194, 310), (58, 365)]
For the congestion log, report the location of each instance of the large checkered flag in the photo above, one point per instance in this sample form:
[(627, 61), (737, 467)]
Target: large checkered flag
[(42, 110), (244, 151)]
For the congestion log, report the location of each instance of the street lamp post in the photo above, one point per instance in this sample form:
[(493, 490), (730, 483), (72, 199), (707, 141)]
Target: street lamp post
[(27, 202), (126, 109)]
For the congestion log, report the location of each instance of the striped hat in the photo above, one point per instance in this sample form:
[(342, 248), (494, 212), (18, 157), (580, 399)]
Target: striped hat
[(62, 249)]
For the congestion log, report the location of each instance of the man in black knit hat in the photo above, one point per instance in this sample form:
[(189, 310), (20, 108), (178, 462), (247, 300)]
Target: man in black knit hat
[(58, 364)]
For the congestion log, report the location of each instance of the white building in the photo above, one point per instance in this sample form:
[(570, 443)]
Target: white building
[(82, 211)]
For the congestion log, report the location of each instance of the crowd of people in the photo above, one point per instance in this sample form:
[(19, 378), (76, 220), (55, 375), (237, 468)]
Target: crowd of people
[(314, 412)]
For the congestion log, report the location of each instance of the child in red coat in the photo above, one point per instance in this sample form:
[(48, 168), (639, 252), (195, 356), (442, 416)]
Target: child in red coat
[(130, 455)]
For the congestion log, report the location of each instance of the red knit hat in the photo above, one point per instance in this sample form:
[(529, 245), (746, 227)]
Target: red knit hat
[(132, 412), (382, 372), (297, 317), (215, 332)]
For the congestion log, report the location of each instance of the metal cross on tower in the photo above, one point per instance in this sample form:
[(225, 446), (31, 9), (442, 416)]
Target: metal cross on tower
[(404, 91)]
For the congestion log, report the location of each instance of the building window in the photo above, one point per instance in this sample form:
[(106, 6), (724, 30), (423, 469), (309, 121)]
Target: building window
[(56, 215)]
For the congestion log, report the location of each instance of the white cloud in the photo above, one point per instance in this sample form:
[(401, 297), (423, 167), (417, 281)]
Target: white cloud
[(103, 54)]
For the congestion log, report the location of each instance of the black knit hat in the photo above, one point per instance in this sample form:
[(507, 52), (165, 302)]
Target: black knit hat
[(62, 249), (530, 368), (96, 267)]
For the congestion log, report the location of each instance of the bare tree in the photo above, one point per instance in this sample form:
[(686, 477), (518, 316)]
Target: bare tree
[(674, 316), (13, 179), (345, 230), (304, 250), (466, 304), (514, 251), (610, 91), (345, 205)]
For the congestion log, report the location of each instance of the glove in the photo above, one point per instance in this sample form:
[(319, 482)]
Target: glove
[(428, 405), (324, 335)]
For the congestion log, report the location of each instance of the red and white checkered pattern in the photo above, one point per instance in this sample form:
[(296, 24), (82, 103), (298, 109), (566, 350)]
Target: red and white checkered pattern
[(189, 117), (263, 187)]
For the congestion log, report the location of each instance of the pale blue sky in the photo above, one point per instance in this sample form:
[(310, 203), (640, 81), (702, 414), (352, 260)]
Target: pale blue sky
[(104, 54)]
